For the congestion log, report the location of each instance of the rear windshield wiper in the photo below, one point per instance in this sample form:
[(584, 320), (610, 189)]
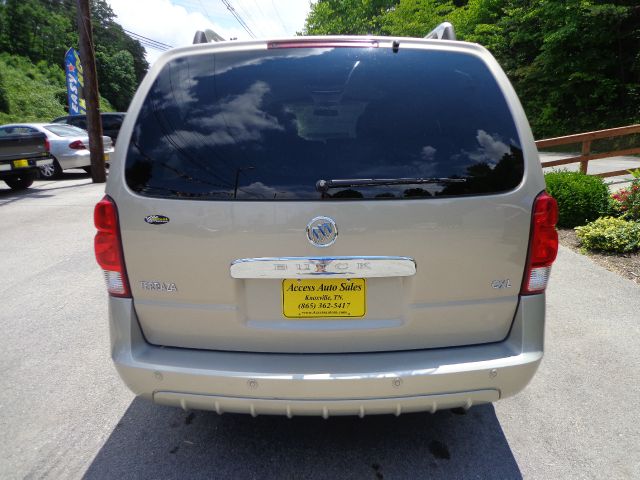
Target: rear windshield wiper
[(326, 185)]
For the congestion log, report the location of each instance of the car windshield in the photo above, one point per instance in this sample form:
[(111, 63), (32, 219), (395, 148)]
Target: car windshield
[(267, 125), (65, 130)]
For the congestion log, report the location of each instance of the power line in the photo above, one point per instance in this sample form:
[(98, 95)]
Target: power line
[(150, 45), (284, 27), (206, 12), (148, 42), (247, 14), (237, 16), (258, 7)]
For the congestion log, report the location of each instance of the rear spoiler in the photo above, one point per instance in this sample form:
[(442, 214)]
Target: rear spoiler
[(444, 31)]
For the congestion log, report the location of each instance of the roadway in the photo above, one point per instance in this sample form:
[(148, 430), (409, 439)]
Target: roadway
[(66, 414)]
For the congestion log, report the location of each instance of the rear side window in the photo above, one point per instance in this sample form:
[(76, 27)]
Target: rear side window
[(273, 124)]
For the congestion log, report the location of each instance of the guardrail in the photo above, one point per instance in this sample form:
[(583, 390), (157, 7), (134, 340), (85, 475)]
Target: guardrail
[(586, 156)]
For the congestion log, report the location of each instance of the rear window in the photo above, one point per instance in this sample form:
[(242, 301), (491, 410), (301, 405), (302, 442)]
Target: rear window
[(370, 123), (65, 130), (19, 130)]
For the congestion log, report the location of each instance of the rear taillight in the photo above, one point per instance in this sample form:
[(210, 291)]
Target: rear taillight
[(77, 145), (47, 145), (543, 244), (108, 248)]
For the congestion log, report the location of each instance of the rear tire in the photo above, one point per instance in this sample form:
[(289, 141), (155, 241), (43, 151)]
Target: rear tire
[(51, 171), (22, 182)]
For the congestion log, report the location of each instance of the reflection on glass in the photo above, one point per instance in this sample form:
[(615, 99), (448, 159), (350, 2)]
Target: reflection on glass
[(266, 125)]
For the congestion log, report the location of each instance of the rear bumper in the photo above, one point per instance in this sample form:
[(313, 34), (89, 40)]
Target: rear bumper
[(68, 158), (328, 384), (8, 168)]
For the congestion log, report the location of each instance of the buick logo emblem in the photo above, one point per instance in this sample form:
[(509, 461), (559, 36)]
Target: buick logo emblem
[(322, 231)]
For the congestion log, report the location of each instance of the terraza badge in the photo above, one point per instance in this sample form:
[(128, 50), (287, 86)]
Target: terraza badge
[(158, 286)]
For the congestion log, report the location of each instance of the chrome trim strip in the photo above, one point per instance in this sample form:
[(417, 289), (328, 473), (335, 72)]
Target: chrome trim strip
[(323, 267)]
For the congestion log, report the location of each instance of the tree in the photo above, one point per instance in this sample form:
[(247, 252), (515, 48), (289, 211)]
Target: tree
[(118, 77), (347, 17), (43, 30), (575, 63), (416, 18), (110, 36)]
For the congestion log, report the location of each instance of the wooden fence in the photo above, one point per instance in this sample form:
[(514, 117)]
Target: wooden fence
[(586, 156)]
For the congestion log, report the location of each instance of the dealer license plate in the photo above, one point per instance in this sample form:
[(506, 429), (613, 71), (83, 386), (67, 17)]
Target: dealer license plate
[(20, 163), (324, 298)]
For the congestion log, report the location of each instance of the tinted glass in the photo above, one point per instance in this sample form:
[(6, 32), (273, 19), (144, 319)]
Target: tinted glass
[(78, 121), (17, 130), (111, 122), (268, 125)]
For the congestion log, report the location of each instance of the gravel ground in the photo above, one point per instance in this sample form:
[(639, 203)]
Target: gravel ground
[(625, 264)]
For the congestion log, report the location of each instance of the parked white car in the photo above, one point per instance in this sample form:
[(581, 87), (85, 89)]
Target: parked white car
[(68, 145)]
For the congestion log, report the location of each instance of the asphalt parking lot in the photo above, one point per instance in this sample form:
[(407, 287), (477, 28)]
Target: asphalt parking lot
[(64, 413)]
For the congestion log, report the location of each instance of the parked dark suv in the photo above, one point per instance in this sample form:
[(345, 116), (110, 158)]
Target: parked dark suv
[(111, 122)]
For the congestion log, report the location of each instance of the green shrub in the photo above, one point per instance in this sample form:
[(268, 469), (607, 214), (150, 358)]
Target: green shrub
[(614, 209), (610, 234), (581, 198)]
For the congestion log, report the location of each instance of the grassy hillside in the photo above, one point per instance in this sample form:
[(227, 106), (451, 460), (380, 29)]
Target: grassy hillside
[(32, 93)]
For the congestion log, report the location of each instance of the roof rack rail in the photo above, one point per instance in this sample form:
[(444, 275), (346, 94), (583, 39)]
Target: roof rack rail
[(207, 36), (200, 37), (444, 31)]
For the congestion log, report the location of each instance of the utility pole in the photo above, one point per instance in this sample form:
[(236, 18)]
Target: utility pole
[(94, 122)]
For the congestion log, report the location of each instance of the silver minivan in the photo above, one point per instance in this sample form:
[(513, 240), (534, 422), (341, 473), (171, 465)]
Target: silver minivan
[(326, 226)]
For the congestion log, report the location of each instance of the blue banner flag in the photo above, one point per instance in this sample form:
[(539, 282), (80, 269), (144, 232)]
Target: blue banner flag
[(75, 82)]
